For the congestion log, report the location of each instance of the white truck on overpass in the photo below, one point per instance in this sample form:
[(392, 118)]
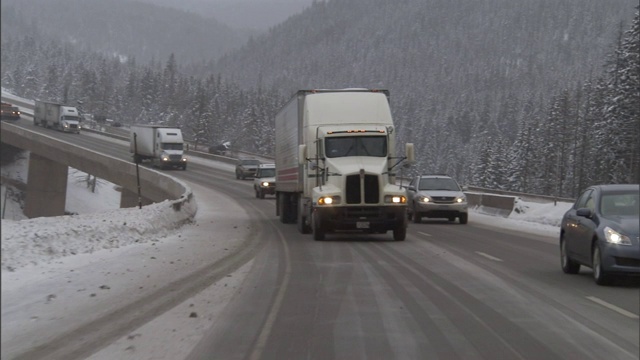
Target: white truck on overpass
[(56, 116), (163, 146)]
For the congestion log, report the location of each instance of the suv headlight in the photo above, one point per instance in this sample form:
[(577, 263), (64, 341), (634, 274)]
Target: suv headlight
[(615, 237), (461, 199), (424, 199), (265, 183)]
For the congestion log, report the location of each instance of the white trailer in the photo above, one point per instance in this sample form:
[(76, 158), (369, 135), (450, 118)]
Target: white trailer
[(335, 163), (162, 146), (56, 116)]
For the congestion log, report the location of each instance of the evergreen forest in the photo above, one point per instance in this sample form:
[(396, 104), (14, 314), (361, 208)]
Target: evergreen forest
[(536, 96)]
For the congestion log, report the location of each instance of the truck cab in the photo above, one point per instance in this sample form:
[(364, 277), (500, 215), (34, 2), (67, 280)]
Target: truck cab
[(170, 148)]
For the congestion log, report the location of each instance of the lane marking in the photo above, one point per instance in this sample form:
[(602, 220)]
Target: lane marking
[(613, 307), (488, 256), (422, 233)]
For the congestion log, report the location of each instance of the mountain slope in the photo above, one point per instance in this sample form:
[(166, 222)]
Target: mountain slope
[(125, 28)]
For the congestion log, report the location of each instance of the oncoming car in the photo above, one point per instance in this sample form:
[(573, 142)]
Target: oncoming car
[(601, 231), (246, 168), (436, 196), (264, 181)]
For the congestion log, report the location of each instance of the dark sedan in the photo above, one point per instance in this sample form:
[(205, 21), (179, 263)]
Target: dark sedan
[(601, 231)]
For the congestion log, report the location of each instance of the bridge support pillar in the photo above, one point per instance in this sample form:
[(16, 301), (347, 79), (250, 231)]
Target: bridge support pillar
[(46, 187), (129, 199)]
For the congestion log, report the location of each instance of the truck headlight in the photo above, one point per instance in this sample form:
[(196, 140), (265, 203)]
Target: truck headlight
[(615, 237), (329, 200), (165, 158), (265, 183), (184, 159), (395, 199)]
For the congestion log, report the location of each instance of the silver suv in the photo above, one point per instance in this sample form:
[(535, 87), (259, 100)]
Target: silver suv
[(436, 196), (264, 181)]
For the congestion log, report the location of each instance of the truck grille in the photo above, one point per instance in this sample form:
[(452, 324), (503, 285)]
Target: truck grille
[(371, 189), (175, 157)]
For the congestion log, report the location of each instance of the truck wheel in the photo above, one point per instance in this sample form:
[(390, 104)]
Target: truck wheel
[(400, 233), (261, 194), (256, 191), (316, 227)]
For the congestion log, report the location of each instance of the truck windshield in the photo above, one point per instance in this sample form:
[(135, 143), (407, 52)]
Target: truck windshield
[(171, 146), (356, 146)]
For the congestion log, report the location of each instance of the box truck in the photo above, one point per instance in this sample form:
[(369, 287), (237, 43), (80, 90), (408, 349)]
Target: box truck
[(56, 116), (336, 164), (162, 146)]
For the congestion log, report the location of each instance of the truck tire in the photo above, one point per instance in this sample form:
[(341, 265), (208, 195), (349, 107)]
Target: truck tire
[(261, 194), (287, 209), (316, 227), (400, 233)]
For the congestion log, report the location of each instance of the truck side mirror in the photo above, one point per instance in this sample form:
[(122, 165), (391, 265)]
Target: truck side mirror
[(302, 154), (410, 153)]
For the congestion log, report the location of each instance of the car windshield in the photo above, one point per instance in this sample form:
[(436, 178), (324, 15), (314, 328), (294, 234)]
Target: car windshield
[(172, 146), (438, 184), (356, 146), (268, 173), (620, 204), (250, 162)]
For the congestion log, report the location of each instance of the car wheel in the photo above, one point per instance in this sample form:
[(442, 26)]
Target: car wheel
[(316, 227), (463, 218), (568, 266), (261, 194), (600, 276), (417, 218)]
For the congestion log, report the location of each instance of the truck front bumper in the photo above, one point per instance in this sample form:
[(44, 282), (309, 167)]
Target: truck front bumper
[(362, 218)]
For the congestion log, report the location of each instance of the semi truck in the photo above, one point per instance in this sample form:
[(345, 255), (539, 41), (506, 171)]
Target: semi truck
[(162, 146), (336, 163), (56, 116)]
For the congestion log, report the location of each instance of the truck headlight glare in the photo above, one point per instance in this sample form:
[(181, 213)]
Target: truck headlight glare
[(395, 199), (328, 200), (265, 183), (164, 158)]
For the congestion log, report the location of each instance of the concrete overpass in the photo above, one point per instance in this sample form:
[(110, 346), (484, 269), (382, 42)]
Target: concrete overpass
[(48, 170)]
